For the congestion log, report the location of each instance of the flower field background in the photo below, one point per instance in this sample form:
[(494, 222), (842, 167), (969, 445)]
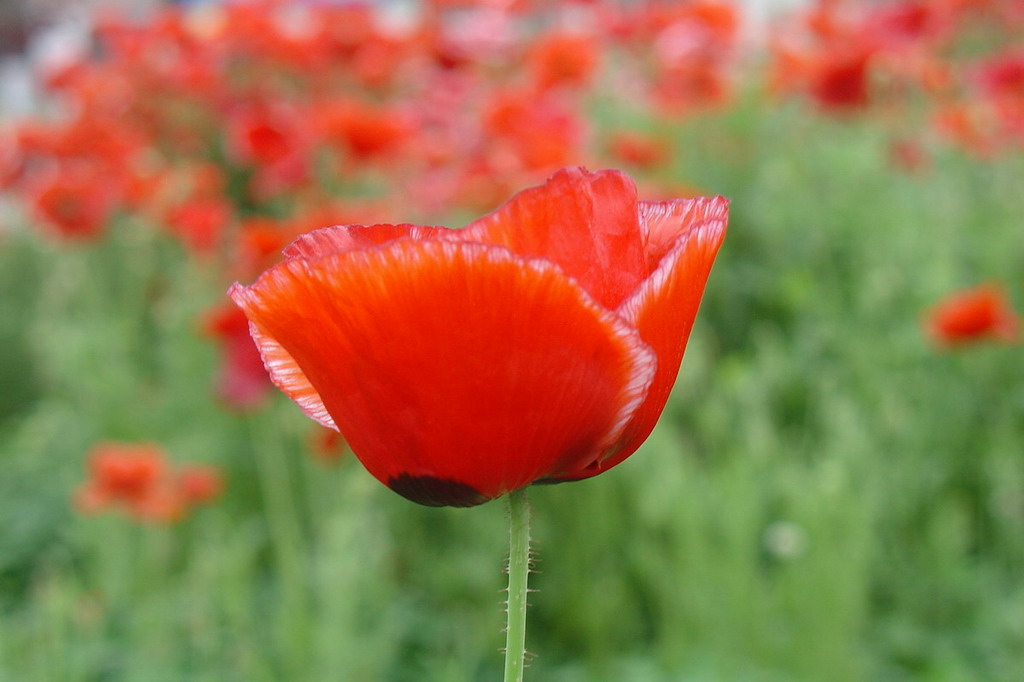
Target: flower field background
[(835, 491)]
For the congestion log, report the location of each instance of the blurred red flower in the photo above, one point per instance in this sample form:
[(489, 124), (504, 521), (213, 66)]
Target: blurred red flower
[(131, 477), (972, 315), (242, 381), (257, 244), (162, 505), (639, 149), (262, 137), (127, 472), (72, 201), (364, 131), (908, 24), (968, 125), (537, 344), (137, 479), (200, 222), (538, 131), (693, 44), (199, 484), (563, 59), (1002, 83), (839, 79)]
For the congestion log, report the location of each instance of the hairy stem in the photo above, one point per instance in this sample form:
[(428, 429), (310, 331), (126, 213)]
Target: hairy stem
[(518, 571)]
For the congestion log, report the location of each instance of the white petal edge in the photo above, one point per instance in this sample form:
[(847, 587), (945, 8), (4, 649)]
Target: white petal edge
[(708, 231), (284, 372), (665, 222), (288, 376), (338, 238)]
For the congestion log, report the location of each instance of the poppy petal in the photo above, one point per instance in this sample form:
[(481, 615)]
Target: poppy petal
[(337, 238), (283, 370), (664, 307), (456, 371), (586, 223), (665, 222), (286, 373), (970, 315)]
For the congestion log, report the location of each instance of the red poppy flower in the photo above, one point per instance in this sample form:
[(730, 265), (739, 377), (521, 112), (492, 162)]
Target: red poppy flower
[(137, 479), (365, 131), (967, 125), (131, 477), (1002, 78), (907, 24), (541, 131), (274, 141), (125, 472), (163, 505), (1002, 82), (973, 315), (537, 344), (200, 222), (840, 81), (257, 244), (563, 59), (72, 203)]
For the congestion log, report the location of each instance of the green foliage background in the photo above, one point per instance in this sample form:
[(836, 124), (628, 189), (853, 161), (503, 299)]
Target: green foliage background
[(826, 497)]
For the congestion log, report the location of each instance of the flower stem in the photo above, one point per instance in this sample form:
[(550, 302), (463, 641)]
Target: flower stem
[(518, 571)]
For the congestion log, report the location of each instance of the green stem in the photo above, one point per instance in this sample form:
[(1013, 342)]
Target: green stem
[(518, 571)]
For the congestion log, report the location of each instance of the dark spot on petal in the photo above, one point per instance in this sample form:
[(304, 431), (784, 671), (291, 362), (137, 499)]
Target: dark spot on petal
[(436, 492)]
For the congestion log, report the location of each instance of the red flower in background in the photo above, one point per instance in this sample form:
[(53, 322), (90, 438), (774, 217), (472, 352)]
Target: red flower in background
[(978, 314), (257, 244), (639, 149), (122, 472), (563, 59), (536, 132), (199, 484), (262, 137), (242, 381), (693, 45), (909, 24), (137, 479), (362, 130), (200, 222), (537, 344), (449, 108), (839, 79), (73, 201), (970, 126), (1002, 84)]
